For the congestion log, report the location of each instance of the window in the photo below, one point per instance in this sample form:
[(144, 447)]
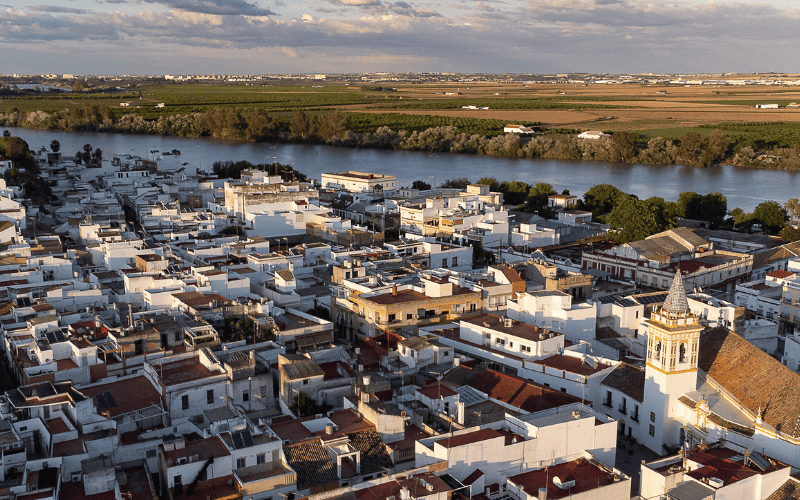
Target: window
[(261, 458), (409, 316), (177, 480), (525, 348), (455, 261), (652, 430), (305, 382), (623, 407), (241, 462), (682, 356), (636, 333), (263, 391), (637, 314), (635, 414), (563, 389), (608, 400), (500, 341), (246, 396), (210, 396), (652, 417), (185, 402)]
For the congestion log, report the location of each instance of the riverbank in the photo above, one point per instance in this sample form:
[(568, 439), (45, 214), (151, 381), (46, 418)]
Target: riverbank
[(336, 130)]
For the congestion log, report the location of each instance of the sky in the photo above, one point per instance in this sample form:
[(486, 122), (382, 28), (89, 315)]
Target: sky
[(155, 37)]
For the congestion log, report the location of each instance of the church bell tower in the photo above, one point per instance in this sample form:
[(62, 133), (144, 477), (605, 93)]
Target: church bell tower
[(673, 337)]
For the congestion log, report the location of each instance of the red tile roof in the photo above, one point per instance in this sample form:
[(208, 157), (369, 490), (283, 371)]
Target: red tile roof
[(129, 394), (780, 274), (469, 438), (587, 476), (436, 390), (752, 376), (508, 389), (476, 474), (570, 364)]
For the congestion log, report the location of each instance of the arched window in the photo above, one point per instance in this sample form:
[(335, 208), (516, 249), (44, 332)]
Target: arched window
[(657, 351), (682, 353)]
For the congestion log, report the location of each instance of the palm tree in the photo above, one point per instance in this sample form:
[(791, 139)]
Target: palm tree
[(793, 206)]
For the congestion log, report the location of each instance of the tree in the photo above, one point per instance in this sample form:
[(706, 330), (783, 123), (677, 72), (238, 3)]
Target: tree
[(710, 208), (514, 193), (98, 156), (771, 215), (790, 234), (601, 199), (792, 206), (538, 196), (742, 219), (301, 125), (489, 181), (55, 146), (459, 183), (421, 185), (304, 405), (621, 147), (6, 133), (634, 219)]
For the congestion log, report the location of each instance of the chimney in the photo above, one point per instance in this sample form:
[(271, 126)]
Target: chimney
[(508, 322), (542, 493), (253, 354), (329, 429), (394, 290)]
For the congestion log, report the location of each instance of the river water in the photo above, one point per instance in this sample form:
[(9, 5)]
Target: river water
[(744, 188)]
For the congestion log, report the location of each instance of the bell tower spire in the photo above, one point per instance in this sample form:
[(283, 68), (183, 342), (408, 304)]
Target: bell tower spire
[(673, 337)]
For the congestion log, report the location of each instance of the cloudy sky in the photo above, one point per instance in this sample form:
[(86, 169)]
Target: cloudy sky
[(335, 36)]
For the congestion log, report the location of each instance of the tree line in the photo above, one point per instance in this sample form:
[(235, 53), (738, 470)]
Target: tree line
[(337, 129)]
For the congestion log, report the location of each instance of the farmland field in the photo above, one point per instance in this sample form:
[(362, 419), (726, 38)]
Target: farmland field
[(665, 110)]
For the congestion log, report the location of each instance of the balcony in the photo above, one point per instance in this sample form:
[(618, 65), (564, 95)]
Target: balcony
[(608, 403), (622, 409)]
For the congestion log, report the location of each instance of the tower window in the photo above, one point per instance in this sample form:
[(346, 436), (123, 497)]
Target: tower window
[(682, 352), (657, 353)]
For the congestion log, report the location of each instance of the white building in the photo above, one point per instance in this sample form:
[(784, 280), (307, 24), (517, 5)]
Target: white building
[(555, 311), (358, 182)]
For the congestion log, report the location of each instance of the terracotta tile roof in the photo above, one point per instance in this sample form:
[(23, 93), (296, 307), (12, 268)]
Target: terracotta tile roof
[(790, 490), (517, 392), (753, 377), (511, 275), (203, 448), (780, 274), (587, 476), (436, 390), (517, 328), (311, 462), (374, 455), (628, 380), (570, 364), (474, 476), (469, 438), (129, 394)]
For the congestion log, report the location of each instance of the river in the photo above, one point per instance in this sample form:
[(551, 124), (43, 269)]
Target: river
[(744, 188)]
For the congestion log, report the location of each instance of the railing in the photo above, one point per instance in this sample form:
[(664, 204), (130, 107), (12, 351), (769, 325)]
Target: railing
[(622, 409), (608, 403)]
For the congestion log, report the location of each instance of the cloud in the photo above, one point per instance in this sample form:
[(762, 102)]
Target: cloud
[(404, 9), (356, 3), (279, 3), (55, 9), (217, 7)]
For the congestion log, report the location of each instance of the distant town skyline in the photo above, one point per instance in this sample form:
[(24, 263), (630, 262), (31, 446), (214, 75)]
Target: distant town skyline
[(340, 36)]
